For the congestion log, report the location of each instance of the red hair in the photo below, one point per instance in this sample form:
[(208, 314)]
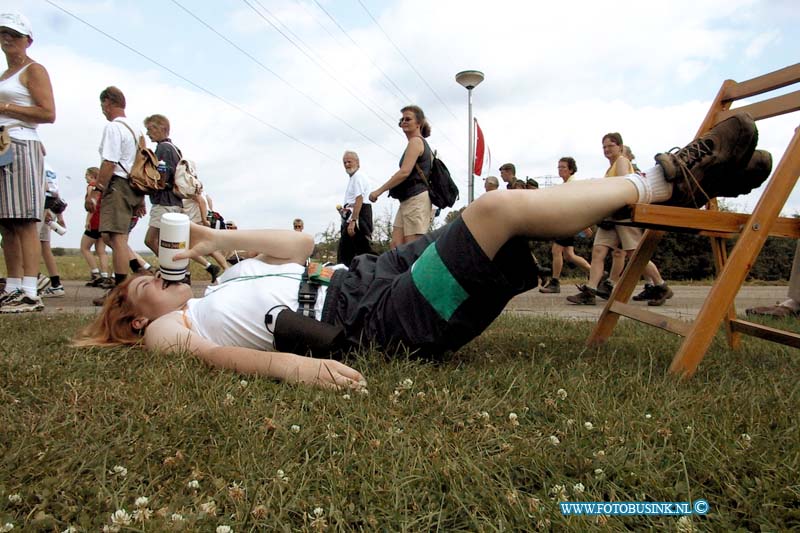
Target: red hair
[(114, 325)]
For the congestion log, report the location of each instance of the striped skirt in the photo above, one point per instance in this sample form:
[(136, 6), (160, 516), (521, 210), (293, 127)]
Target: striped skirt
[(22, 182)]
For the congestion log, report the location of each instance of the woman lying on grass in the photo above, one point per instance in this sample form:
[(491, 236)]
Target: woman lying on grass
[(430, 296)]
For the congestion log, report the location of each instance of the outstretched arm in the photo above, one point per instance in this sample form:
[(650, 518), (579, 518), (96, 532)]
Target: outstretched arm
[(275, 246), (169, 334), (414, 149)]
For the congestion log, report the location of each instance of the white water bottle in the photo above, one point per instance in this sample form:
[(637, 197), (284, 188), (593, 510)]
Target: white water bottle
[(174, 238), (58, 228)]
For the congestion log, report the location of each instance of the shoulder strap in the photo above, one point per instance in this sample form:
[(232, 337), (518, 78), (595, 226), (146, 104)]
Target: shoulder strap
[(177, 150), (135, 142)]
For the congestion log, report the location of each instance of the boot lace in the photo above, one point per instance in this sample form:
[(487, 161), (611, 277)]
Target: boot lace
[(686, 158)]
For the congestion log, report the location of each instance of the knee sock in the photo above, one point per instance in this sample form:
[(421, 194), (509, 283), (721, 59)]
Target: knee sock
[(29, 286), (134, 264), (55, 281), (119, 278), (652, 187)]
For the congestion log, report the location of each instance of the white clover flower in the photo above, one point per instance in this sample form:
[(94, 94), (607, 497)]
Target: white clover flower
[(71, 529), (8, 526), (236, 491), (243, 383), (209, 508), (512, 416), (121, 518), (142, 514), (561, 393), (542, 345), (364, 391), (142, 501), (688, 429), (193, 484), (588, 425), (345, 396), (176, 517), (121, 471), (578, 488), (420, 394), (484, 415), (599, 454), (319, 511), (15, 498), (281, 475), (745, 437), (406, 384), (229, 399), (598, 471), (554, 440), (295, 428), (224, 529), (648, 416)]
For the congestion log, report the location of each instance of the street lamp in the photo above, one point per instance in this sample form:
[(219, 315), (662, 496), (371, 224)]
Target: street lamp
[(470, 79)]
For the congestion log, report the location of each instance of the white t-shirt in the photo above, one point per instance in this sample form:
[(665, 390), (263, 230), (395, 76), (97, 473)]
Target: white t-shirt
[(232, 312), (358, 185), (118, 145)]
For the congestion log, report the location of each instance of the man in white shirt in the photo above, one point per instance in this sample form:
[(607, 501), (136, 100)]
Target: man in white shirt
[(120, 202), (356, 212)]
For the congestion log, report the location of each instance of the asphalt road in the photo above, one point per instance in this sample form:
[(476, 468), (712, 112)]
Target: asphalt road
[(685, 304)]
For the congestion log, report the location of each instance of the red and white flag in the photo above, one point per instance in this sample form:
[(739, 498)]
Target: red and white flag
[(482, 159)]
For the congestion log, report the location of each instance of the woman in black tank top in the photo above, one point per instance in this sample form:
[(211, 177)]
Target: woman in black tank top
[(407, 185)]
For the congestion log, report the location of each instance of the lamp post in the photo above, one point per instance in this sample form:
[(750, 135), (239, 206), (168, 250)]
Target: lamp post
[(470, 79)]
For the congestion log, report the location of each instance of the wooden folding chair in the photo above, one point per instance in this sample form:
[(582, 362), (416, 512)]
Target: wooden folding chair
[(753, 229)]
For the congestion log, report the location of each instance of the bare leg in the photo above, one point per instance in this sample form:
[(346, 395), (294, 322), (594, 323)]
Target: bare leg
[(575, 259), (119, 244), (220, 259), (545, 213), (12, 252), (31, 249), (558, 259), (617, 264), (100, 249), (598, 266), (151, 239), (49, 260), (86, 252)]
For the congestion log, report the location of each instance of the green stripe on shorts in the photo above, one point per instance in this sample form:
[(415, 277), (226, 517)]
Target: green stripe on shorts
[(435, 282)]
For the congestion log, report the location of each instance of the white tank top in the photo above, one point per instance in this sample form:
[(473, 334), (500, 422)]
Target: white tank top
[(13, 92), (232, 313)]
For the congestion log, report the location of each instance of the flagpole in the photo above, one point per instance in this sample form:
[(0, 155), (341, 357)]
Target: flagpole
[(470, 79)]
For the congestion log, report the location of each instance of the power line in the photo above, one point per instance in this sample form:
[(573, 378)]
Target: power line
[(391, 126), (193, 84), (406, 59), (408, 98), (279, 77)]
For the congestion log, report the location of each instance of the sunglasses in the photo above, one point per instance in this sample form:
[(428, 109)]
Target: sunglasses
[(298, 227), (404, 119), (11, 33)]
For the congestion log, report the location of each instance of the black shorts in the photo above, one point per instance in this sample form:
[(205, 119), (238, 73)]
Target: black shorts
[(92, 233), (430, 296), (566, 242)]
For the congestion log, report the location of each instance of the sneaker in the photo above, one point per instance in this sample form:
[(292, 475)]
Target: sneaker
[(53, 292), (552, 287), (214, 271), (604, 289), (659, 294), (21, 303), (42, 282), (585, 297), (708, 166), (4, 296), (105, 283), (645, 294), (95, 278), (776, 311)]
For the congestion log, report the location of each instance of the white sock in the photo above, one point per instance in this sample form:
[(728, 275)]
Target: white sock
[(103, 274), (95, 271), (13, 284), (146, 265), (208, 264), (29, 286), (652, 187), (794, 305)]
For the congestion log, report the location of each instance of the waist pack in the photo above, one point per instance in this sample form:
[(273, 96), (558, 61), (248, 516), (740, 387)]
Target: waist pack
[(441, 187), (187, 184), (55, 204), (144, 176)]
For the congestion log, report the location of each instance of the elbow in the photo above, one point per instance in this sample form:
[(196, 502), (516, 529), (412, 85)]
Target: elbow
[(308, 245), (49, 118)]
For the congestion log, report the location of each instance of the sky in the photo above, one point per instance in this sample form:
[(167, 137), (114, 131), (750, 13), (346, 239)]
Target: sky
[(266, 95)]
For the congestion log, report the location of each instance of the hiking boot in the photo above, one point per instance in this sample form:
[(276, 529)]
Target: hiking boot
[(552, 287), (585, 297), (776, 311), (214, 271), (42, 282), (21, 303), (753, 175), (604, 289), (659, 294), (708, 166), (645, 294), (53, 292)]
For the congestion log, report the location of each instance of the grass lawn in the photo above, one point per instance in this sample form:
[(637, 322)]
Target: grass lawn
[(85, 432)]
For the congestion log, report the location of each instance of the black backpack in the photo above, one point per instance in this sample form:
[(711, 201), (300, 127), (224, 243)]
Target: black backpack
[(441, 187)]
